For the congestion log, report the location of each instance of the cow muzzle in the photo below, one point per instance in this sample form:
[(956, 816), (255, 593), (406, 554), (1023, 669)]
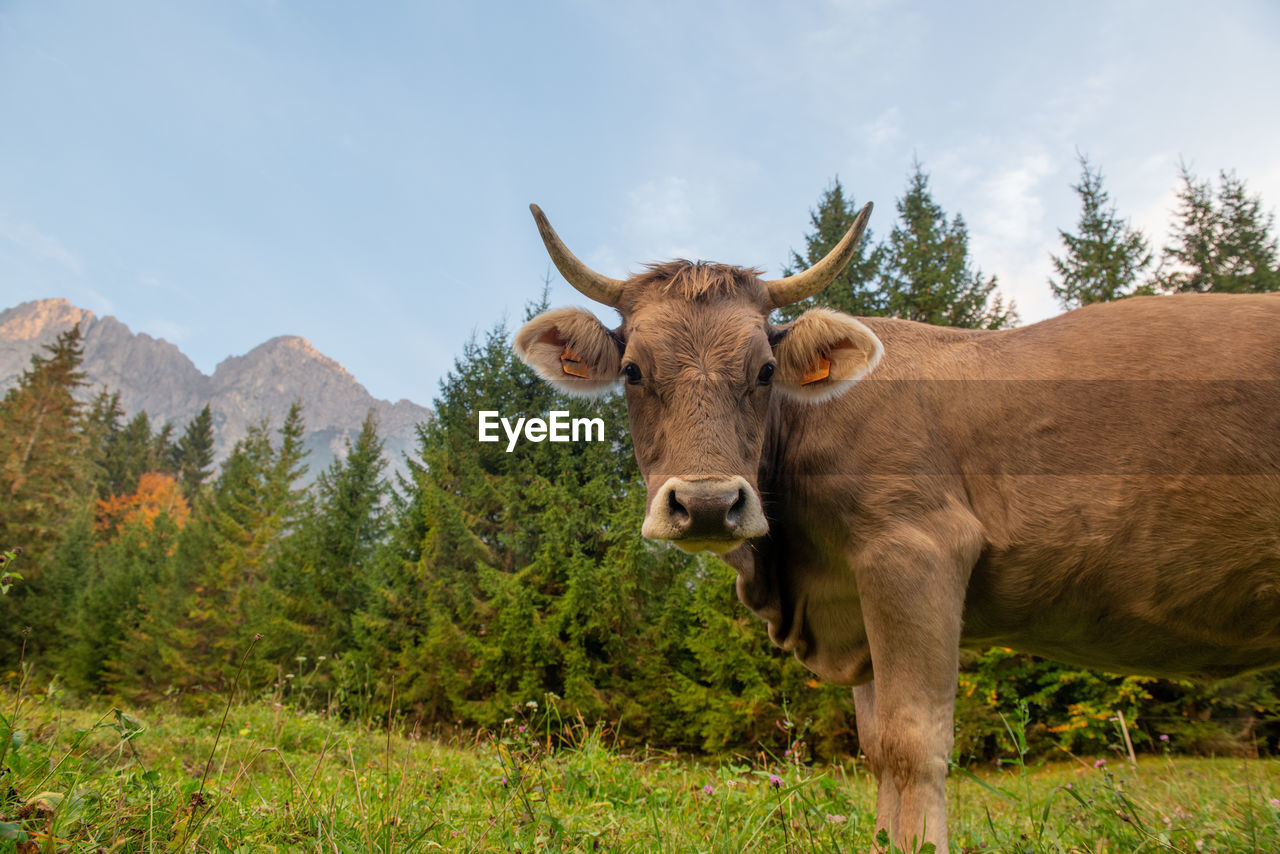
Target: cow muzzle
[(713, 514)]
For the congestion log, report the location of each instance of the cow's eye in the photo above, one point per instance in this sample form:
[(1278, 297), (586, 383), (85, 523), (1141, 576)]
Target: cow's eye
[(632, 373), (766, 374)]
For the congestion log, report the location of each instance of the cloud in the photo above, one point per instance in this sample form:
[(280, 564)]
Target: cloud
[(1008, 234), (33, 241), (882, 130), (1012, 207)]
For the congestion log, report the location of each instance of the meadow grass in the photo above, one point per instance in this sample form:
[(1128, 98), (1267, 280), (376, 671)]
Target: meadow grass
[(113, 779)]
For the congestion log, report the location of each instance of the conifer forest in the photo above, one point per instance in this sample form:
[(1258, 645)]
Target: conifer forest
[(485, 580)]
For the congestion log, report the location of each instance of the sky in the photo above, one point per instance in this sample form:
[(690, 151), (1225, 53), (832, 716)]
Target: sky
[(220, 173)]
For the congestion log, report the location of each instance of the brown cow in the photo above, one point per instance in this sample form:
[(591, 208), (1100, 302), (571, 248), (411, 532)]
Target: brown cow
[(1102, 488)]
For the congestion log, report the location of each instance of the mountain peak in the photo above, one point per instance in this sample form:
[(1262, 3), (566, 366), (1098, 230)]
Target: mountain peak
[(41, 319), (153, 375)]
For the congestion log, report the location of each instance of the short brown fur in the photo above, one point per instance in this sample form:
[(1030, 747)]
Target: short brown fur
[(1102, 487)]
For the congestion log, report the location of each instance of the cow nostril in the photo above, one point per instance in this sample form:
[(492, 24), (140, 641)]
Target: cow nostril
[(735, 511), (677, 510)]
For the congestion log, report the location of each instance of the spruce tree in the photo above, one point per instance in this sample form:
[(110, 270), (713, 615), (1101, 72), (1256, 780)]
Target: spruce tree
[(854, 290), (130, 455), (323, 573), (46, 479), (927, 274), (101, 426), (1223, 242), (1104, 258), (192, 454), (214, 598)]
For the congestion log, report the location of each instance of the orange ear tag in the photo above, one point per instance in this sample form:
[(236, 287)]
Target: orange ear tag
[(571, 364), (820, 371)]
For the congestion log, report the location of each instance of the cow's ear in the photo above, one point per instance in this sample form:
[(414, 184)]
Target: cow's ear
[(822, 354), (572, 350)]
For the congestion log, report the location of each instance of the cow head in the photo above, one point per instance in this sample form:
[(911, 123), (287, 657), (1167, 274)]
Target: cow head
[(699, 363)]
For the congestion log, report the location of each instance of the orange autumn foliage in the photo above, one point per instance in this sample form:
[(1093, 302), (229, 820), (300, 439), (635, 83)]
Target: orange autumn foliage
[(157, 493)]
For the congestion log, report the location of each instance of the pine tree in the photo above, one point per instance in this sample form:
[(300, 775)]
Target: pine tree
[(927, 274), (1222, 243), (44, 459), (128, 565), (214, 597), (130, 454), (192, 454), (854, 290), (101, 427), (323, 573), (46, 471), (1103, 260)]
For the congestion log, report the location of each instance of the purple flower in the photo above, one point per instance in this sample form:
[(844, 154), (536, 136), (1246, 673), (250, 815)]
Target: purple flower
[(707, 789), (1164, 738), (1100, 763), (775, 780)]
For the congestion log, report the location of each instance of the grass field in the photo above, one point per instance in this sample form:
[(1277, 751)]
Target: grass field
[(111, 780)]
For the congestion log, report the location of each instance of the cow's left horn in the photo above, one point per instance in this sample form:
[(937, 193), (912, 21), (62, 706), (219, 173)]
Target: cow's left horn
[(586, 280), (808, 282)]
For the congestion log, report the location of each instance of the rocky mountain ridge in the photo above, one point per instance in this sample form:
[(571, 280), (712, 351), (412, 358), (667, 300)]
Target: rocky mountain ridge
[(152, 374)]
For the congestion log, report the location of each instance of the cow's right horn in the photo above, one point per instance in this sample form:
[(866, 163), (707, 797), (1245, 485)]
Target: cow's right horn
[(586, 280), (808, 282)]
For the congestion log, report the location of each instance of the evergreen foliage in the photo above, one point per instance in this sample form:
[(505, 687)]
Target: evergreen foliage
[(46, 472), (192, 454), (922, 273), (214, 596), (854, 290), (1221, 242), (1103, 261), (927, 274), (323, 574)]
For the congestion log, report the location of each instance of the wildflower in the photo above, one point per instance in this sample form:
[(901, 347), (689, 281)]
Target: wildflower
[(504, 781), (775, 780), (321, 658), (1101, 763), (1164, 737), (707, 789), (521, 729), (508, 720), (999, 762), (836, 819), (1275, 803), (532, 704)]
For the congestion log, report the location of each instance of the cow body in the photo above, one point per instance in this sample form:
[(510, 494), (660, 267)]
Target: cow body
[(1102, 488), (1102, 497)]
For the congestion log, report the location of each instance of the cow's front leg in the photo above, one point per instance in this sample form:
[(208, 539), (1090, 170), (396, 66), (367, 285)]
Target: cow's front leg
[(864, 708), (914, 735), (912, 604)]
